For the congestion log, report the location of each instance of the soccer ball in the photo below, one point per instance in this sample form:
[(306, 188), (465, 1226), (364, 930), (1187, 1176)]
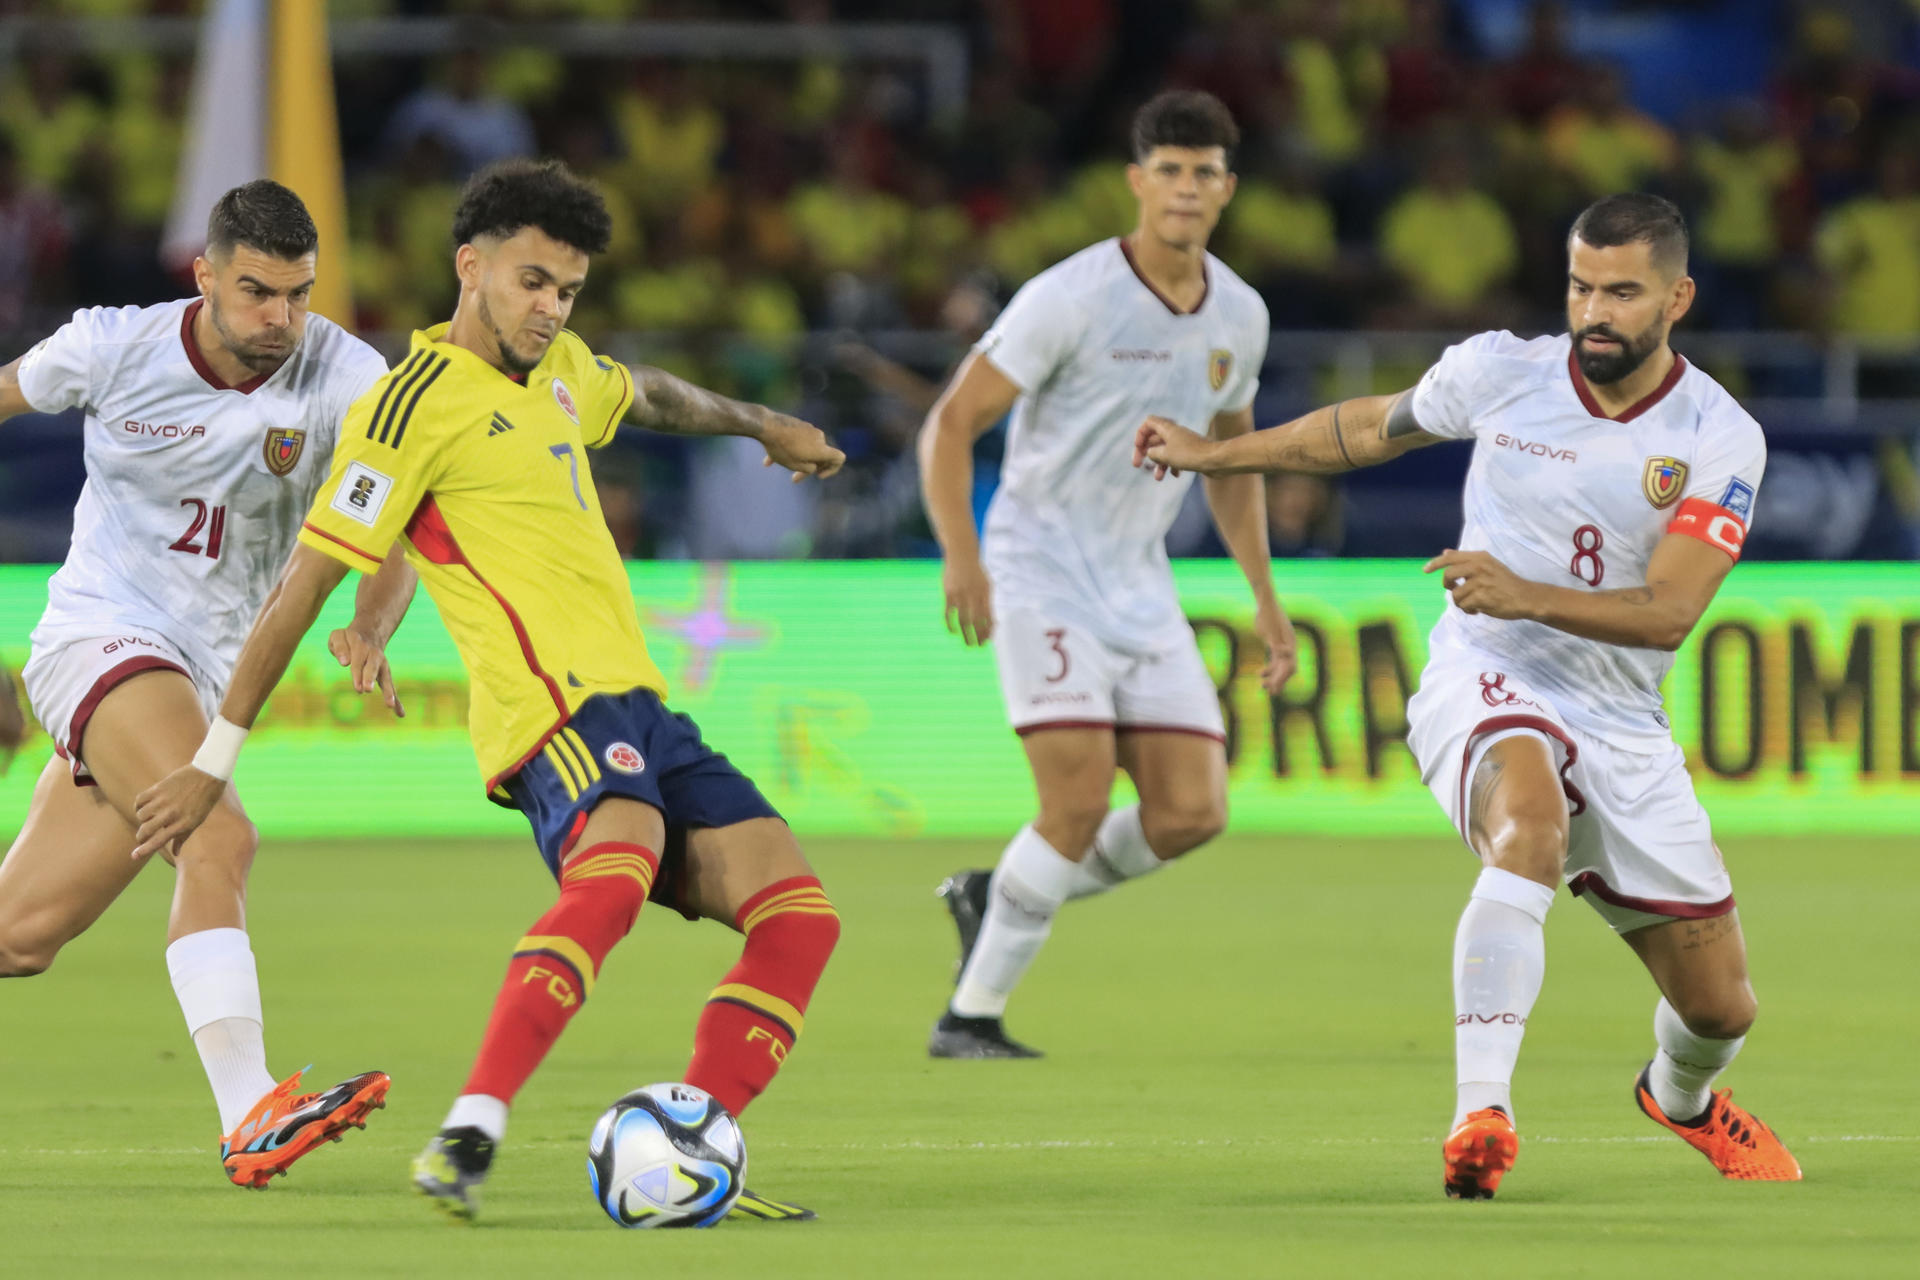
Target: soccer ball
[(667, 1155)]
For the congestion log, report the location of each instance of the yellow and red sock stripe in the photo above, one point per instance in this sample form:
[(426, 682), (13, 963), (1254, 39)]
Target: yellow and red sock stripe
[(636, 862), (801, 895), (566, 951), (780, 1012)]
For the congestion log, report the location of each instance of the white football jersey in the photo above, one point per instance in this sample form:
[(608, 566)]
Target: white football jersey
[(194, 490), (1563, 494), (1074, 529)]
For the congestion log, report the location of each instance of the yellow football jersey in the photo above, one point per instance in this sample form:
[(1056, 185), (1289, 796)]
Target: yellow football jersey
[(486, 479)]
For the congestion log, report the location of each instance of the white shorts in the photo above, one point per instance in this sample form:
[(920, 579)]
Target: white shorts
[(1056, 675), (67, 682), (1639, 846)]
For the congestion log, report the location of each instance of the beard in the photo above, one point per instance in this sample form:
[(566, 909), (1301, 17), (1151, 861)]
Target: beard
[(248, 352), (1604, 367), (516, 363)]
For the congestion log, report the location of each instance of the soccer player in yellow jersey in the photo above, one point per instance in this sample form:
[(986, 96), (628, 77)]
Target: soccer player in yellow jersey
[(472, 452)]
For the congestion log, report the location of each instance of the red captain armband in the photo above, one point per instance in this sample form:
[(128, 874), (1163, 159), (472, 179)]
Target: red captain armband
[(1712, 523)]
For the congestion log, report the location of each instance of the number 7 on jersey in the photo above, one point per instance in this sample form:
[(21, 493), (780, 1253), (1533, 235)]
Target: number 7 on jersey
[(573, 468)]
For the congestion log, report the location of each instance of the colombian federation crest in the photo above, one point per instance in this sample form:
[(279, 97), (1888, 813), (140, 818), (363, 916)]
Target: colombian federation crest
[(1663, 480), (564, 398), (283, 447), (1219, 365)]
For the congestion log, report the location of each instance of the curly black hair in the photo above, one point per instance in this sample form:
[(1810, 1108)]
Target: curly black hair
[(1184, 118), (262, 215), (510, 195)]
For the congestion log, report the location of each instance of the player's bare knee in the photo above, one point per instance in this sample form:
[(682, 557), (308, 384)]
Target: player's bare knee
[(1726, 1018), (26, 951), (1070, 824), (1530, 844), (1176, 829), (224, 845)]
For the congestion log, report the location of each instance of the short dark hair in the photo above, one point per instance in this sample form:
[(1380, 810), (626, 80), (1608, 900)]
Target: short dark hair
[(262, 215), (1184, 118), (1634, 218), (509, 195)]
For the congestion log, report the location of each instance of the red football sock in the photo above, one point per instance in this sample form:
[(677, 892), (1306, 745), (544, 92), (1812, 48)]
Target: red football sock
[(755, 1014), (553, 967)]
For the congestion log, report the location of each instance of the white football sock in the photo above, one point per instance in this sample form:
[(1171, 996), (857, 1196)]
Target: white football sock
[(481, 1111), (1681, 1080), (1499, 961), (1120, 853), (1029, 885), (219, 992)]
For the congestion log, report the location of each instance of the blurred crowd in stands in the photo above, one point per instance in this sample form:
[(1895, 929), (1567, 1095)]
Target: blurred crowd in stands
[(778, 223)]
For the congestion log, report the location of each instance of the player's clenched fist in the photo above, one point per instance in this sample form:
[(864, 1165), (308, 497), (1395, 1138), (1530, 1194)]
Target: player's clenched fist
[(366, 662), (173, 808), (1169, 448), (969, 598), (800, 447), (1481, 584)]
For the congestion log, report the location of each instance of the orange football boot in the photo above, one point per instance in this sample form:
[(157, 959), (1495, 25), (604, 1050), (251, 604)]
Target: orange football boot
[(1479, 1152), (1737, 1142), (286, 1124)]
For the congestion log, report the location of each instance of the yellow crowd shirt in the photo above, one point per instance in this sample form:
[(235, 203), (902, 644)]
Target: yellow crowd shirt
[(485, 478)]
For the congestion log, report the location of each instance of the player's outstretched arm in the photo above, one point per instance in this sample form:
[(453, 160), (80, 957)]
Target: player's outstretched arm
[(1239, 507), (173, 808), (662, 402), (979, 396), (1356, 433), (1682, 577), (378, 606)]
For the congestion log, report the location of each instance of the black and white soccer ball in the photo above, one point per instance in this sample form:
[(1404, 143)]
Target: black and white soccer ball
[(667, 1155)]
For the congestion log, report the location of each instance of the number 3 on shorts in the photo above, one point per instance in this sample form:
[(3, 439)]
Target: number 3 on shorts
[(1057, 641)]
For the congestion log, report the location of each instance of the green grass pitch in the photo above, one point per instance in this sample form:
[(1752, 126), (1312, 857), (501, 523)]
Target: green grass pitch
[(1249, 1073)]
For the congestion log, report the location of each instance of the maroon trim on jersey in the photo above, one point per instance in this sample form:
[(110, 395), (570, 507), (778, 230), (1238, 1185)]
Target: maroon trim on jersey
[(106, 684), (1519, 720), (1590, 882), (313, 528), (1206, 282), (1220, 738), (428, 532), (1039, 726), (1633, 410), (199, 362)]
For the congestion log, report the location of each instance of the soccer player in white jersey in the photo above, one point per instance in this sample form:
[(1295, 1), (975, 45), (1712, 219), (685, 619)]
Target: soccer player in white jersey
[(209, 424), (1071, 582), (1609, 495)]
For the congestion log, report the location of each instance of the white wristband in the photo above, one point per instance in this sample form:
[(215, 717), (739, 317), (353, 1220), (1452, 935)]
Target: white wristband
[(220, 749)]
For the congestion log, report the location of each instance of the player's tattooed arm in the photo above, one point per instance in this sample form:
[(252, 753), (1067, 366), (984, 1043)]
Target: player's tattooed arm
[(662, 402), (1361, 432), (13, 400), (1682, 577)]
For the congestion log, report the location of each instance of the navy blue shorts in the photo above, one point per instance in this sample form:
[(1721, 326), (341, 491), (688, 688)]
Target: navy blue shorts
[(630, 745)]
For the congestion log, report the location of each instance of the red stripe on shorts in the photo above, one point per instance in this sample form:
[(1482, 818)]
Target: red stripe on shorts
[(1590, 882), (114, 676), (1519, 720)]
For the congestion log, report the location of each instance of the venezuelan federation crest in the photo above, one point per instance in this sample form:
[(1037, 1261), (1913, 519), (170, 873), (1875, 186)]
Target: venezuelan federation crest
[(283, 448), (1663, 480), (1219, 365)]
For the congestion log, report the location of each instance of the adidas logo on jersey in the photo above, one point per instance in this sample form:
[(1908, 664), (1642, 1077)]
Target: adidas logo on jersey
[(500, 424)]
